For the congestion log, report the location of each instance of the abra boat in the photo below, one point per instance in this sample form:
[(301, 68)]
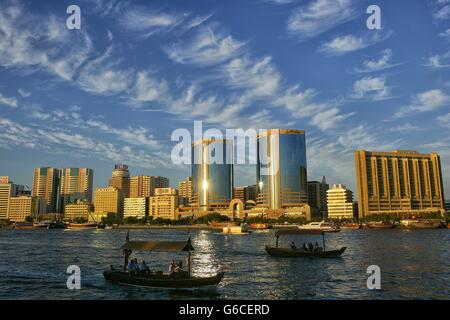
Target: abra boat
[(260, 226), (300, 252), (345, 226), (380, 225), (242, 229), (422, 224), (159, 279), (320, 226), (81, 226), (30, 225), (221, 224)]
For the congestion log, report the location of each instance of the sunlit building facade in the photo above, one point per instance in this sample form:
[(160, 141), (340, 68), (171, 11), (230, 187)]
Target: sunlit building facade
[(135, 207), (401, 183), (281, 169), (6, 191), (340, 202), (164, 204), (19, 208), (144, 186), (185, 191), (46, 186), (212, 173), (75, 185), (108, 200), (120, 178), (77, 210)]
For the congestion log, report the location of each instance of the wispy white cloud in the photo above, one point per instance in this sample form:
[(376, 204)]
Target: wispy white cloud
[(8, 101), (439, 61), (32, 41), (318, 16), (442, 13), (208, 46), (382, 63), (444, 120), (24, 93), (349, 43), (371, 88), (424, 102)]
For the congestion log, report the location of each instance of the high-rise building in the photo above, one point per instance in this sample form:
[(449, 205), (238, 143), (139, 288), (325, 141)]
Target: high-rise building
[(245, 193), (75, 185), (185, 191), (281, 169), (164, 204), (120, 179), (108, 200), (46, 186), (317, 196), (402, 182), (212, 173), (144, 186), (77, 210), (19, 208), (340, 202), (136, 207), (6, 192)]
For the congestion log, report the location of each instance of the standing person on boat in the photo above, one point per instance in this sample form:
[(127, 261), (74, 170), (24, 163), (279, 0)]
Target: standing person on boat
[(316, 247), (310, 246), (304, 247), (126, 253)]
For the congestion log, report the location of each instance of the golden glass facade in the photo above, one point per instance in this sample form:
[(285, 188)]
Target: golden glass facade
[(401, 182), (281, 169)]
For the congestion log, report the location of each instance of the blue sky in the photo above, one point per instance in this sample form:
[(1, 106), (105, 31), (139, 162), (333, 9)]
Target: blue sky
[(114, 91)]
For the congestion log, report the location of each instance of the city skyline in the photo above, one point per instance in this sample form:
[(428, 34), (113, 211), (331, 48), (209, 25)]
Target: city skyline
[(388, 89)]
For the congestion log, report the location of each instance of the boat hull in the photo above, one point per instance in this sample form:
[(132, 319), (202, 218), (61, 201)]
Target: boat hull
[(81, 226), (380, 226), (290, 253), (161, 281)]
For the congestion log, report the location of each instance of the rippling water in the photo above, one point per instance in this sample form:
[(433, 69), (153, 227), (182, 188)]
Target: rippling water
[(415, 264)]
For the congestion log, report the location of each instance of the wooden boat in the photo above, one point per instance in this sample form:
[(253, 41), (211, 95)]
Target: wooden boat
[(321, 226), (260, 226), (345, 226), (159, 279), (30, 225), (242, 229), (221, 224), (422, 224), (300, 252), (380, 225), (81, 226)]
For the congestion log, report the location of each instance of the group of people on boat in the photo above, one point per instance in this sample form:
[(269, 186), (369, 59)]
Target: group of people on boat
[(308, 247), (176, 269), (135, 268)]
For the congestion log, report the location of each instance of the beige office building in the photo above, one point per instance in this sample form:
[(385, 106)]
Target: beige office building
[(45, 186), (136, 207), (185, 191), (340, 202), (402, 183), (75, 184), (108, 200), (120, 178), (19, 208), (78, 210), (6, 189), (164, 204), (144, 186)]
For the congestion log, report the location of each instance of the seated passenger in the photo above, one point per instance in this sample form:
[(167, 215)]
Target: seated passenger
[(310, 246), (304, 247), (144, 268), (293, 245)]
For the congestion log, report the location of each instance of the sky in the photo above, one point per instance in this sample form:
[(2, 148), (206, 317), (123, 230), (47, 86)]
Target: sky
[(115, 90)]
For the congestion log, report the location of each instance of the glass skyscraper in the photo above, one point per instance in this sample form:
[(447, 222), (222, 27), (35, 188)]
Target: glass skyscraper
[(212, 173), (281, 168)]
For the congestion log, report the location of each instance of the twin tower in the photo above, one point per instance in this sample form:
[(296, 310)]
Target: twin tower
[(281, 175)]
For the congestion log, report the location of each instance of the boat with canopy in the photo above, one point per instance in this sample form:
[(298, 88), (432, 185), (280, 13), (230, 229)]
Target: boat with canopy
[(302, 252), (182, 279)]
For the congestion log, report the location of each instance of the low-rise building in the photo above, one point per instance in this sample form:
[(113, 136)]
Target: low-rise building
[(164, 204), (136, 207), (77, 210), (340, 202), (19, 208)]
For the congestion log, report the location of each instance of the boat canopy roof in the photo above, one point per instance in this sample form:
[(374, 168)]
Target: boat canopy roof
[(165, 246), (298, 232)]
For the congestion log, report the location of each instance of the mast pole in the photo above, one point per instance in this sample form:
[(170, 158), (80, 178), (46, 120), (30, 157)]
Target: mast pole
[(323, 240)]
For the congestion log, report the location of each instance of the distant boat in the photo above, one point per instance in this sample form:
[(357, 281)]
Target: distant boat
[(221, 224), (321, 226), (350, 226), (422, 224), (260, 226), (81, 226), (30, 225), (380, 225), (294, 252), (242, 229)]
